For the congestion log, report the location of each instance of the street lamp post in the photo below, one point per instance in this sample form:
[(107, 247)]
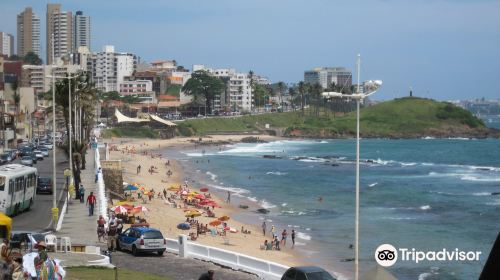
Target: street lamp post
[(55, 211), (372, 86)]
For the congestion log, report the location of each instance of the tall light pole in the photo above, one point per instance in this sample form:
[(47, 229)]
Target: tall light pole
[(55, 211), (372, 86)]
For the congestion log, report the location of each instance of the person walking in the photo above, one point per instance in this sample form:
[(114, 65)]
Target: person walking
[(264, 228), (293, 238), (273, 231), (112, 227), (97, 174), (228, 200), (138, 169), (100, 228), (91, 202), (81, 190)]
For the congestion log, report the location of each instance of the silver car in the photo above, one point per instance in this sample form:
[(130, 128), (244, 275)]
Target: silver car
[(27, 160), (45, 152), (141, 239)]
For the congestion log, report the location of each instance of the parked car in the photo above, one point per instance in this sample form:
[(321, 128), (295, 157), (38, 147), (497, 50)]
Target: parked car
[(45, 152), (49, 145), (6, 156), (142, 239), (27, 160), (44, 185), (33, 157), (306, 273), (38, 154)]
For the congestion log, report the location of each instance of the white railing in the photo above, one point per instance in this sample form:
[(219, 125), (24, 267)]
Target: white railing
[(101, 189), (264, 269)]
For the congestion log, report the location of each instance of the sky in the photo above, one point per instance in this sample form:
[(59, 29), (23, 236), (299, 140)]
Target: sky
[(442, 49)]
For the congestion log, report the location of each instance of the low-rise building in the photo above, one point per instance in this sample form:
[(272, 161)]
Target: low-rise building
[(141, 88)]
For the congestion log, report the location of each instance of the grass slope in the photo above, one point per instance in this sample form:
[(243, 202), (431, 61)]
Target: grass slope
[(405, 117), (132, 132)]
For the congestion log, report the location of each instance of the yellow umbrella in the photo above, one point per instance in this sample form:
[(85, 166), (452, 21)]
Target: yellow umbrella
[(192, 213), (224, 218), (121, 203), (173, 189)]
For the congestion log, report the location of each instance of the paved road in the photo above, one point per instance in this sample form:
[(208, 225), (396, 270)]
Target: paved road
[(39, 217), (174, 267)]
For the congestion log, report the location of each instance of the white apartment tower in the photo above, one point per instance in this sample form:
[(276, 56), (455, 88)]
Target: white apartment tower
[(60, 24), (6, 44), (28, 33), (81, 31), (238, 96), (109, 68)]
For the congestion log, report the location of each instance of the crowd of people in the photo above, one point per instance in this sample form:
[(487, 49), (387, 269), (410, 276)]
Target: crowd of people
[(275, 243)]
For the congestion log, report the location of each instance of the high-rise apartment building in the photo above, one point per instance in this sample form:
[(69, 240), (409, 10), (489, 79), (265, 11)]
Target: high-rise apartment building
[(81, 31), (28, 33), (6, 44), (60, 24), (109, 68)]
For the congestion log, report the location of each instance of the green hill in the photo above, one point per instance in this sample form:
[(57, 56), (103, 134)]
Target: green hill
[(400, 118)]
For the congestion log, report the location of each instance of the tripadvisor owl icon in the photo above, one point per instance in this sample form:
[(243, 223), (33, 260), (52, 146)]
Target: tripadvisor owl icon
[(386, 255)]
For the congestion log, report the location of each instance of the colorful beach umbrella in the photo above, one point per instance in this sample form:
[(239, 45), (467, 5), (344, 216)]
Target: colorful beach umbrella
[(215, 223), (192, 213), (199, 196), (130, 188), (124, 203), (141, 208), (184, 226), (224, 218), (119, 209), (204, 190)]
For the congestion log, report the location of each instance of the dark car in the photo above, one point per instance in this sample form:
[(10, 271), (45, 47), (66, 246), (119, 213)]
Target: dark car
[(6, 157), (306, 273), (44, 185), (141, 239)]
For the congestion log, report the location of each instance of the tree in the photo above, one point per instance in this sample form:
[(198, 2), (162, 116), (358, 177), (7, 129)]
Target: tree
[(32, 59), (302, 89), (259, 93), (292, 92), (203, 85), (281, 87)]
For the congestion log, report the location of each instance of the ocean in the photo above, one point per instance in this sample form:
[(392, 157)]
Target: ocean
[(426, 194)]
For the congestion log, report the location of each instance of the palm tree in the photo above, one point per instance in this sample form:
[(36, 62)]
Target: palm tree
[(281, 87), (302, 89), (250, 75)]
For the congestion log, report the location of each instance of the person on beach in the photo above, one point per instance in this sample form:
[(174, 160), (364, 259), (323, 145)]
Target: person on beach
[(273, 230), (164, 193), (293, 238), (228, 200), (138, 169), (276, 243), (283, 237), (91, 202), (264, 228)]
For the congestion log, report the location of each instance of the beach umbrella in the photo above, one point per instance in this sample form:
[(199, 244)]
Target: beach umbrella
[(173, 189), (204, 190), (212, 203), (123, 203), (184, 193), (119, 209), (199, 196), (130, 188), (141, 208), (224, 218), (215, 223), (184, 226), (192, 213)]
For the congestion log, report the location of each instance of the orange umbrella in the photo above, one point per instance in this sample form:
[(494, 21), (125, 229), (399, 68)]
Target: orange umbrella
[(224, 218), (215, 223)]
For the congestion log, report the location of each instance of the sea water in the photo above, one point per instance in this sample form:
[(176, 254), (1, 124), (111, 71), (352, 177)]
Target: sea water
[(426, 194)]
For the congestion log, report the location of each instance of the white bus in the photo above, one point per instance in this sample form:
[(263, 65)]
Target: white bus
[(17, 188)]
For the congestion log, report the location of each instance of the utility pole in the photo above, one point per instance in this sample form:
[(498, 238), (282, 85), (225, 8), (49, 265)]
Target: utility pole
[(55, 211)]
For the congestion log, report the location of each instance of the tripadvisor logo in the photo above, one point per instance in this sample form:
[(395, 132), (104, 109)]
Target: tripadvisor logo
[(386, 255)]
